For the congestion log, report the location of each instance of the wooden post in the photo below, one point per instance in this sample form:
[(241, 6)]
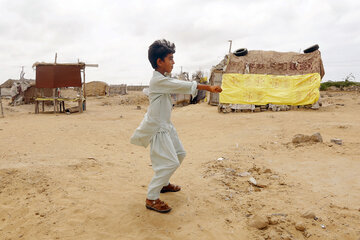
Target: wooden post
[(54, 95), (80, 99), (2, 111), (84, 89), (42, 102), (36, 107), (36, 101)]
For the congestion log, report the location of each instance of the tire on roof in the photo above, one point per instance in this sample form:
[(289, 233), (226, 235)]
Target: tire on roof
[(241, 52), (312, 48)]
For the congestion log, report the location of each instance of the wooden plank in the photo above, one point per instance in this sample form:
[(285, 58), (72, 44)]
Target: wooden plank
[(91, 65)]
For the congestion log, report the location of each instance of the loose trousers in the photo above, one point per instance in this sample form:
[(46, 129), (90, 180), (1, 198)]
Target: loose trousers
[(166, 154)]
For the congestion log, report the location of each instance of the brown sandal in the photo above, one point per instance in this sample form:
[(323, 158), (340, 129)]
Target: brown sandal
[(170, 188), (157, 205)]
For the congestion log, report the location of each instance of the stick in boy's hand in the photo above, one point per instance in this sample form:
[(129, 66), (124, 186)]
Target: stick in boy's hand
[(214, 89)]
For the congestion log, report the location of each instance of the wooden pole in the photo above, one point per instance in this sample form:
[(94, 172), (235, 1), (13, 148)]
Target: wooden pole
[(80, 99), (84, 89), (2, 111), (54, 93), (91, 65), (43, 102), (36, 101)]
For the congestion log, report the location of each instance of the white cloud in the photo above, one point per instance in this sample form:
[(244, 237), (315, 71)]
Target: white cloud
[(116, 34)]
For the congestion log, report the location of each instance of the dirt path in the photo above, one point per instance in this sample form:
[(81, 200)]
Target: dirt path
[(77, 177)]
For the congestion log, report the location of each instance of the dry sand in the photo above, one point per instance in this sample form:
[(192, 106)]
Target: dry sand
[(78, 177)]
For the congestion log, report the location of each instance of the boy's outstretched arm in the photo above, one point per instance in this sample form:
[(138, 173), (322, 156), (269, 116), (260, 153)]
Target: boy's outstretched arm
[(214, 89)]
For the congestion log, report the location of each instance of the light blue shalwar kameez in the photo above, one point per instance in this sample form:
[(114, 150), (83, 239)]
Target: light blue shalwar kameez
[(156, 129)]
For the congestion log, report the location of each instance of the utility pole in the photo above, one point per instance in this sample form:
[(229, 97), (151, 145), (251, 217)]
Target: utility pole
[(230, 41)]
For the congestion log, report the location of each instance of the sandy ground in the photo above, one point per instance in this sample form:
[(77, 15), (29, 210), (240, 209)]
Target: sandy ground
[(77, 177)]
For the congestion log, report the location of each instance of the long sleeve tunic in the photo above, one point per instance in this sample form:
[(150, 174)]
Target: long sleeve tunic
[(157, 117)]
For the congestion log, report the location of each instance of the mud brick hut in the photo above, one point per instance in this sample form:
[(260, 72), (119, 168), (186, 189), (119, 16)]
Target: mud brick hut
[(97, 88), (19, 91), (254, 79), (6, 87), (120, 89)]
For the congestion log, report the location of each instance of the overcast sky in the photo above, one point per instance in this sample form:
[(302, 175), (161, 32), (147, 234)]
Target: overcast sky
[(116, 34)]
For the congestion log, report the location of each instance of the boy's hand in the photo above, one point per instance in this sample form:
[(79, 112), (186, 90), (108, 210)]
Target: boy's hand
[(215, 89)]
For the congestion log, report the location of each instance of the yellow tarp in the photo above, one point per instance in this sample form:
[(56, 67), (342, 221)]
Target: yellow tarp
[(261, 89)]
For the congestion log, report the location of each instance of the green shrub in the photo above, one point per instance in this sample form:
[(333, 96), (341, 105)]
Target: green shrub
[(340, 84)]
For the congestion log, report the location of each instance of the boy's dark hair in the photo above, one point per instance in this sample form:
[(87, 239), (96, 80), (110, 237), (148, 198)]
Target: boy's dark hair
[(160, 49)]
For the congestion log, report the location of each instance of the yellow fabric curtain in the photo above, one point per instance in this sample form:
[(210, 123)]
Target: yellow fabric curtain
[(262, 89)]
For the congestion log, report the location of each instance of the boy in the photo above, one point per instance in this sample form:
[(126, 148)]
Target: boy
[(156, 129)]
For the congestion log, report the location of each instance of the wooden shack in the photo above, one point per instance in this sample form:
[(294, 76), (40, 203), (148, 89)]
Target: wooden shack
[(55, 76)]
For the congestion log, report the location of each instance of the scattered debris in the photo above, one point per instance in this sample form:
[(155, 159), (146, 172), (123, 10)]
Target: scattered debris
[(244, 174), (230, 170), (274, 177), (323, 226), (336, 141), (268, 170), (255, 183), (252, 181), (316, 105), (309, 214), (306, 234), (272, 220), (272, 235), (259, 222), (277, 108), (301, 138), (279, 214), (300, 226)]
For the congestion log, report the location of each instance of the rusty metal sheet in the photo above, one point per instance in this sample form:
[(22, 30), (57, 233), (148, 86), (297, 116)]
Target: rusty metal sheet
[(57, 76)]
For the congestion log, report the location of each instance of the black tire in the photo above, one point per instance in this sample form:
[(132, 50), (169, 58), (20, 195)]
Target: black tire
[(241, 52), (311, 49)]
